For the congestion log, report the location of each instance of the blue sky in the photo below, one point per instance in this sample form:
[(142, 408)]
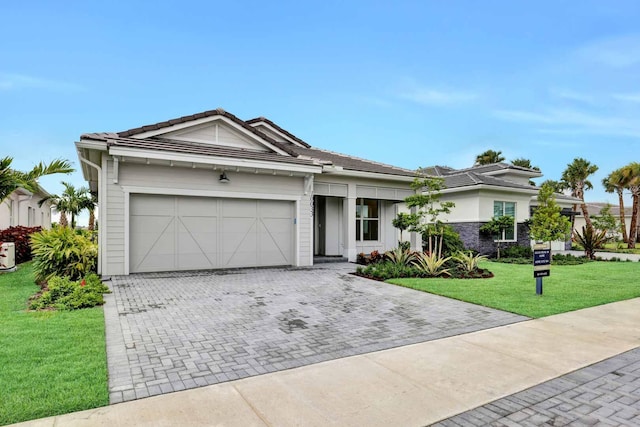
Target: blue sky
[(407, 83)]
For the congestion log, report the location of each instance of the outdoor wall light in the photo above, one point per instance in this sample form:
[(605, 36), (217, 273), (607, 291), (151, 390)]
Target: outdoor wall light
[(223, 178)]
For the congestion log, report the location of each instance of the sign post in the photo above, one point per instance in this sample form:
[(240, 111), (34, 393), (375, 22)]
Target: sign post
[(541, 263)]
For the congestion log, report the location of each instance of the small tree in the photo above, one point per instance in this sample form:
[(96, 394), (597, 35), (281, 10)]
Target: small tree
[(428, 209), (547, 222), (496, 227), (402, 222), (606, 222)]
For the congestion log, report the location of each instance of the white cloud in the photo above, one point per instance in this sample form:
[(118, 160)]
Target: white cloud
[(631, 97), (21, 81), (616, 52), (568, 121)]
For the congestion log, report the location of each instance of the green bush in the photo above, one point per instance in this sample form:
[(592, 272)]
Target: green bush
[(451, 244), (517, 251), (64, 294), (387, 270), (64, 252)]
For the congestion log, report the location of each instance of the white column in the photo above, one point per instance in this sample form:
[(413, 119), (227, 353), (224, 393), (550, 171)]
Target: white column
[(349, 214), (415, 238)]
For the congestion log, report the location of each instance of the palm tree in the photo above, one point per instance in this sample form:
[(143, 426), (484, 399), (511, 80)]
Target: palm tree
[(575, 177), (614, 182), (72, 201), (489, 157), (557, 186), (631, 178), (90, 203), (524, 163), (11, 179)]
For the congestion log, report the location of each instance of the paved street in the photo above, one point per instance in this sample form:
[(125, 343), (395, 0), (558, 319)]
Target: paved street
[(174, 331), (606, 393)]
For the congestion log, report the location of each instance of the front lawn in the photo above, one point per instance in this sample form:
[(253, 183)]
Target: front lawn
[(513, 288), (50, 362)]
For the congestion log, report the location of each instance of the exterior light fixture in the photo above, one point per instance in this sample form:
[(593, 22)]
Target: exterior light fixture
[(224, 179)]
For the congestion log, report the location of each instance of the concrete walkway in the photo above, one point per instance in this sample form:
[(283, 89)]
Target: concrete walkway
[(414, 385), (604, 255)]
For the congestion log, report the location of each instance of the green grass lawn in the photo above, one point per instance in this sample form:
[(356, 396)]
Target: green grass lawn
[(513, 288), (614, 247), (50, 362)]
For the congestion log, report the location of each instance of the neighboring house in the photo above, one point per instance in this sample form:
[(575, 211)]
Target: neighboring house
[(483, 192), (594, 209), (210, 190), (21, 208)]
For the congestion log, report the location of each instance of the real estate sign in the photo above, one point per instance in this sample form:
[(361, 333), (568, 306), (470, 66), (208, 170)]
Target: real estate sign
[(541, 259)]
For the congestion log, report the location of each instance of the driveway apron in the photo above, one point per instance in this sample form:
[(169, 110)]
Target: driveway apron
[(174, 331)]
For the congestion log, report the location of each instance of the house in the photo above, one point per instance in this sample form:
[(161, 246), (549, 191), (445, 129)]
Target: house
[(22, 208), (486, 191), (594, 209), (210, 190)]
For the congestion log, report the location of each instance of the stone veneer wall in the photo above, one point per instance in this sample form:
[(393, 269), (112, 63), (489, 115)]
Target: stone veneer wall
[(484, 244)]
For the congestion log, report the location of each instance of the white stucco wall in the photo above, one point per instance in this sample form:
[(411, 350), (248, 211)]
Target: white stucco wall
[(15, 211)]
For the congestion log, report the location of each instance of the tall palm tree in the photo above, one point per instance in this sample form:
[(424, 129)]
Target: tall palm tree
[(614, 182), (11, 179), (575, 177), (489, 157), (631, 178), (90, 203), (72, 201), (524, 163)]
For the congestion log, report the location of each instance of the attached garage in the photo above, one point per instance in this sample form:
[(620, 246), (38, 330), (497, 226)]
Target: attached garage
[(170, 233)]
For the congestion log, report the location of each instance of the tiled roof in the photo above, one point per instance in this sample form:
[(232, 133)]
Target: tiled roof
[(492, 167), (352, 163), (595, 208), (204, 114), (161, 144), (437, 170), (467, 179), (275, 126)]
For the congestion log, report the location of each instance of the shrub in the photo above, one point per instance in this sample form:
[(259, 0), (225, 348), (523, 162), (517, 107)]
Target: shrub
[(591, 239), (431, 264), (387, 270), (451, 242), (467, 261), (517, 251), (64, 294), (400, 256), (20, 236), (63, 252)]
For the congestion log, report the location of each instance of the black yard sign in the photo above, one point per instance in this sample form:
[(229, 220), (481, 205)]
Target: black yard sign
[(541, 263)]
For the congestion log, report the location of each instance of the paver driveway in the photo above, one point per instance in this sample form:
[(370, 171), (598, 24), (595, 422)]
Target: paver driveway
[(172, 331)]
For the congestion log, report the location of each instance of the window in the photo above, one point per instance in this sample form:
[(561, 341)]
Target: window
[(506, 209), (31, 216), (367, 219)]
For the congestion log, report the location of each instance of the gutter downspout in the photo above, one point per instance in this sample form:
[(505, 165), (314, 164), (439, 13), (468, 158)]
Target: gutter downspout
[(100, 197)]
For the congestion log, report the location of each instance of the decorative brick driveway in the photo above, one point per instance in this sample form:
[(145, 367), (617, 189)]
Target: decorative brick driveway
[(172, 331)]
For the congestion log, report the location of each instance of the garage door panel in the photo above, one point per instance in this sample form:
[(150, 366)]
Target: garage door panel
[(197, 246), (239, 208), (152, 243), (184, 233)]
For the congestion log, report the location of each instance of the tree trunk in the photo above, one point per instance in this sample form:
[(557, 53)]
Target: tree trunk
[(623, 221), (73, 221), (63, 220), (585, 213), (633, 230), (92, 220), (573, 221)]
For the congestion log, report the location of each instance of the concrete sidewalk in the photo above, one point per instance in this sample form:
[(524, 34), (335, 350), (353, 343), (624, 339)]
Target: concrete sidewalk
[(412, 385)]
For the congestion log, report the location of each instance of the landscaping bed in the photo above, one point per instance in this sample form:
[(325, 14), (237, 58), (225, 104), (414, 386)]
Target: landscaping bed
[(570, 287)]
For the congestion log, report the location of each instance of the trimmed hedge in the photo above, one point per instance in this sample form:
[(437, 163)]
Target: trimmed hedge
[(21, 237)]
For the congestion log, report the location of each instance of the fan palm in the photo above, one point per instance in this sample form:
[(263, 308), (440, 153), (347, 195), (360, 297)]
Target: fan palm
[(575, 177), (614, 182)]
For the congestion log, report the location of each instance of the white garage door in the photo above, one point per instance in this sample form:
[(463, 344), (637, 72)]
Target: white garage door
[(169, 233)]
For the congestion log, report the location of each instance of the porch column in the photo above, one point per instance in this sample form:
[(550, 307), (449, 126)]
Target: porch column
[(349, 215)]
